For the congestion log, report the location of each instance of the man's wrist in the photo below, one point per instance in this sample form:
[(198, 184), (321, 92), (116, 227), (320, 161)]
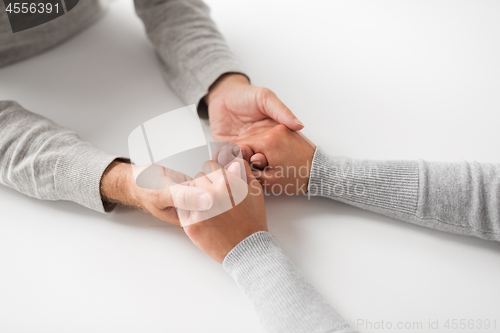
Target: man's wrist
[(116, 184), (223, 84)]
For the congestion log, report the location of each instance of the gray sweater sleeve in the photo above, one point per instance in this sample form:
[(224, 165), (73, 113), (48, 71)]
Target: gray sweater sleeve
[(192, 52), (461, 198), (45, 161), (283, 300)]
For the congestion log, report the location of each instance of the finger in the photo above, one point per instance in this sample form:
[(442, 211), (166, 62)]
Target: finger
[(183, 217), (226, 155), (201, 181), (215, 154), (249, 174), (191, 198), (236, 150), (169, 215), (276, 109), (175, 177), (210, 169), (246, 152), (150, 177), (258, 127), (259, 160), (267, 174), (235, 169), (237, 181)]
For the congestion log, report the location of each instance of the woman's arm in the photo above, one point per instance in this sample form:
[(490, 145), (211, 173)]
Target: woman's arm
[(282, 298), (461, 198), (238, 238)]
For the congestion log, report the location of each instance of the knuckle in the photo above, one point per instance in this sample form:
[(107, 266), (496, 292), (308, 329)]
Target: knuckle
[(180, 199), (272, 139), (265, 91), (220, 182), (194, 230), (263, 94), (280, 129), (268, 140)]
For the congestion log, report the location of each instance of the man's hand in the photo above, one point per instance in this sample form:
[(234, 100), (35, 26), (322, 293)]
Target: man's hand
[(234, 104), (218, 235), (284, 155), (119, 186)]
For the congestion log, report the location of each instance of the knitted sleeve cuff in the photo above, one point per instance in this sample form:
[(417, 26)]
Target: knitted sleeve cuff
[(78, 173), (257, 246), (283, 299), (208, 72), (391, 185)]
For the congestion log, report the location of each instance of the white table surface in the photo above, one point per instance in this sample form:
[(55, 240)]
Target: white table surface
[(370, 79)]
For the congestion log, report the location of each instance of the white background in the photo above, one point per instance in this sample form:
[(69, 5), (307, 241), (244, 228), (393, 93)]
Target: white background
[(369, 79)]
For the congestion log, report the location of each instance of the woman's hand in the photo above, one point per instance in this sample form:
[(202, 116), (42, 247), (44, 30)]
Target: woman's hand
[(221, 230), (283, 158)]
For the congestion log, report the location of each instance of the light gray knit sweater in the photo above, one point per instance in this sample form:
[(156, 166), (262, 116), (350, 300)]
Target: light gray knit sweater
[(46, 161), (461, 198), (42, 160)]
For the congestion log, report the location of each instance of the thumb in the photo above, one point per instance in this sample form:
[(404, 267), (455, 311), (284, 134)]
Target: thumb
[(191, 198), (251, 179), (259, 161), (235, 168), (273, 107)]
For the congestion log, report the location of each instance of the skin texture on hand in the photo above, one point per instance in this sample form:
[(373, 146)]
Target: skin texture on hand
[(118, 185), (218, 235), (287, 156), (234, 104)]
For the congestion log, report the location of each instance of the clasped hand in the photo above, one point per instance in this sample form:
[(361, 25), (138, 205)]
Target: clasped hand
[(266, 132), (287, 156)]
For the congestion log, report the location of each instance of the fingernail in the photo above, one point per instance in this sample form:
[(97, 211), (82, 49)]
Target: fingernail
[(298, 122), (204, 202), (255, 161)]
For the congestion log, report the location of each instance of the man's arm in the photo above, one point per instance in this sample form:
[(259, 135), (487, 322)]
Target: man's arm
[(192, 52), (200, 68), (23, 44), (46, 161)]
